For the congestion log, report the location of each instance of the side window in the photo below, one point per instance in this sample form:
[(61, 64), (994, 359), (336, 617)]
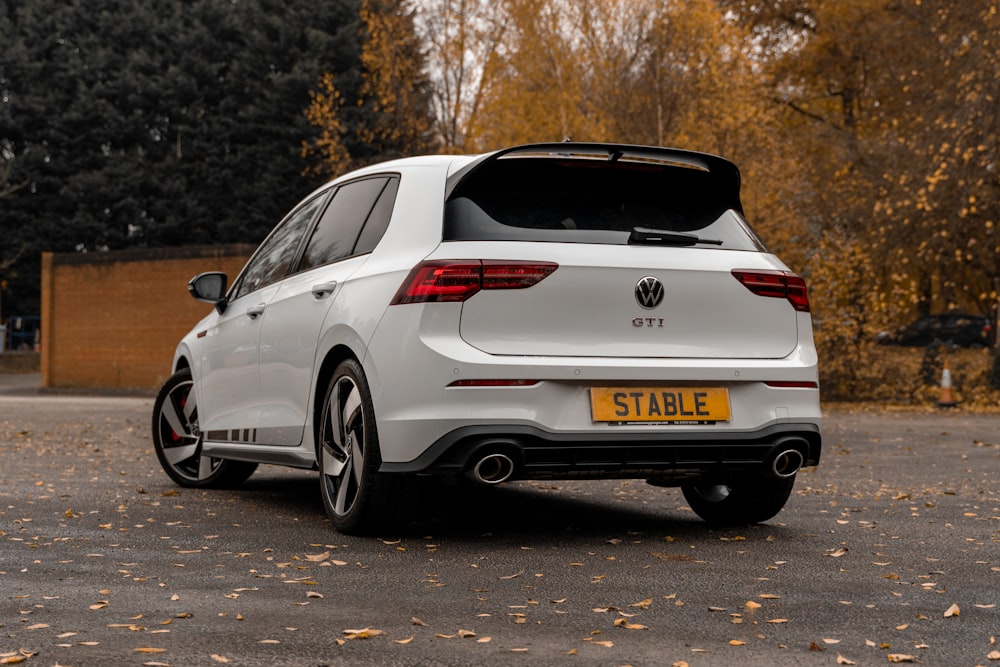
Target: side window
[(340, 225), (271, 261), (379, 219)]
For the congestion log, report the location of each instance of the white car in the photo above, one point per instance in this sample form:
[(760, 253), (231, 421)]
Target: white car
[(547, 311)]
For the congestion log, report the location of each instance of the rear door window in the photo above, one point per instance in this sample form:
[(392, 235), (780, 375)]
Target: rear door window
[(277, 253), (344, 224)]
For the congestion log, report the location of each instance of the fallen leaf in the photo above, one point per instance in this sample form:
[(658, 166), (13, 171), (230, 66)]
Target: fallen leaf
[(220, 658), (672, 557), (417, 621), (362, 634), (769, 596), (623, 623), (736, 642), (837, 553), (147, 649), (900, 657), (752, 605), (484, 640), (644, 604), (513, 576), (466, 634), (318, 558), (403, 641), (314, 594), (841, 660), (993, 655), (778, 620), (953, 610)]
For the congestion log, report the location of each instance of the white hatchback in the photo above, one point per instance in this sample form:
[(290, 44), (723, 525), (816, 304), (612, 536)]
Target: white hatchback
[(546, 311)]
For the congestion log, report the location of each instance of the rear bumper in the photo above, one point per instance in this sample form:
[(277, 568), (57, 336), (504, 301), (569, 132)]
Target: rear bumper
[(667, 458)]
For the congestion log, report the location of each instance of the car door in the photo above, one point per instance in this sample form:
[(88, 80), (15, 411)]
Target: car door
[(229, 399), (345, 233)]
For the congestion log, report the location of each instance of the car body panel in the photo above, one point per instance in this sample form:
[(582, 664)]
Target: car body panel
[(588, 307)]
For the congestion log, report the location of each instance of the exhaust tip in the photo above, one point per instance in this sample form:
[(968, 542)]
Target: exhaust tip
[(493, 469), (787, 463)]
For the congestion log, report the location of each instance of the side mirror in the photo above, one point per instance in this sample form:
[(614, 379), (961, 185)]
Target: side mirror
[(210, 287)]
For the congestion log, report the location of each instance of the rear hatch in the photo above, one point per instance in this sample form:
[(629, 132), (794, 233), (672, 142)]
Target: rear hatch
[(645, 241)]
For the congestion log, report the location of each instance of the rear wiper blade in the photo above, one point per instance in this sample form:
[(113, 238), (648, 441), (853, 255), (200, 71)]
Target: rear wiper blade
[(663, 237)]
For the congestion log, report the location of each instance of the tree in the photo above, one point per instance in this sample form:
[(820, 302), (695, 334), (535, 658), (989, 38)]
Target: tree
[(462, 40), (157, 123), (392, 115), (540, 82)]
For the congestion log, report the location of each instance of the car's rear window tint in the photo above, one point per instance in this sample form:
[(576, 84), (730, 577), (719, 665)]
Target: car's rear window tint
[(591, 201)]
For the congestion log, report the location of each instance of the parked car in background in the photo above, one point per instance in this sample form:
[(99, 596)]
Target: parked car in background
[(958, 329), (587, 311)]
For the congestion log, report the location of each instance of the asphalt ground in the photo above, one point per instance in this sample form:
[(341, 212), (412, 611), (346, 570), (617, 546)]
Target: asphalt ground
[(889, 551)]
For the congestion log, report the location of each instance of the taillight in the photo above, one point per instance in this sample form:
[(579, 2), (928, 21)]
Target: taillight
[(458, 280), (778, 284)]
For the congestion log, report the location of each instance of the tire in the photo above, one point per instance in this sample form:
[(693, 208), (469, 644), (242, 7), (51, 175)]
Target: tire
[(357, 498), (177, 440), (739, 502)]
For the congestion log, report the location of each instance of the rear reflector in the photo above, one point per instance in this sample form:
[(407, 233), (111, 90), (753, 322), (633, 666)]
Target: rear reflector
[(493, 383), (777, 284), (458, 280)]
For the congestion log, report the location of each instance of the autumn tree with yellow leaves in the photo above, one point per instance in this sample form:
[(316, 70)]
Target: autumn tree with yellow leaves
[(391, 117)]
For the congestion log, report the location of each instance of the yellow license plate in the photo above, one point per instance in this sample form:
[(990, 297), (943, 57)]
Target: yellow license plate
[(659, 404)]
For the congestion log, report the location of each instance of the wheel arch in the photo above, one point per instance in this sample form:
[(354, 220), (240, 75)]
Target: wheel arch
[(334, 357)]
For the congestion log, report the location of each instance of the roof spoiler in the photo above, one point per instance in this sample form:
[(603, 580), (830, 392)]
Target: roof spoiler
[(722, 168)]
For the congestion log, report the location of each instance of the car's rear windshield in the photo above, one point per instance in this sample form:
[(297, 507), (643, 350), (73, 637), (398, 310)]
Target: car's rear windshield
[(595, 201)]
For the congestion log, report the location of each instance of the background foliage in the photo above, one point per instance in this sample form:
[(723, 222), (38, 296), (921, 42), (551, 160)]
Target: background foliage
[(866, 130)]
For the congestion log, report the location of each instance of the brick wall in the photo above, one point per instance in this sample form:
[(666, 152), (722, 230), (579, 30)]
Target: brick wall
[(111, 320)]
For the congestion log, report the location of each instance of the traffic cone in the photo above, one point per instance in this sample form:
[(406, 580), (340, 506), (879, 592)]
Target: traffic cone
[(947, 398)]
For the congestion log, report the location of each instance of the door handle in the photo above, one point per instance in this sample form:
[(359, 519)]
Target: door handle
[(323, 290), (253, 312)]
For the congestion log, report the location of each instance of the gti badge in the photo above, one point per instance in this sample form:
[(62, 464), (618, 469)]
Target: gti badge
[(649, 292)]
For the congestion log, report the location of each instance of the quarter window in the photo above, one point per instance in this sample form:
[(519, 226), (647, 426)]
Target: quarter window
[(378, 220)]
